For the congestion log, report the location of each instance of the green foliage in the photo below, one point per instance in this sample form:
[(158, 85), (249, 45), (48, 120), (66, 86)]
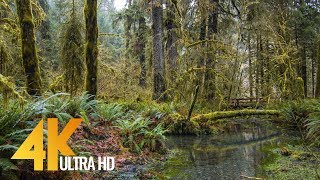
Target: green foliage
[(138, 134), (154, 137), (9, 117), (297, 112), (72, 55), (313, 124), (110, 112), (304, 116)]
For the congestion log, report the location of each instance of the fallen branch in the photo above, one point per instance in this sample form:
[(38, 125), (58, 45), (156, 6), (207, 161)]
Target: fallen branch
[(247, 177), (230, 114)]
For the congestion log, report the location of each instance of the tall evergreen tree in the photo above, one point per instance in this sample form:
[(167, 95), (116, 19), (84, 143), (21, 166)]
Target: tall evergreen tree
[(210, 77), (159, 86)]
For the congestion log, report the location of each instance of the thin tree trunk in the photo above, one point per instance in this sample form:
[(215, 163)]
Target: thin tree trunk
[(304, 71), (313, 72), (91, 49), (158, 52), (128, 24), (250, 68), (29, 53), (317, 94), (257, 75), (200, 64)]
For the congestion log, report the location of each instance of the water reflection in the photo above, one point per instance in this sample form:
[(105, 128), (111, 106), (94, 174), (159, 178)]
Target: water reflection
[(217, 157)]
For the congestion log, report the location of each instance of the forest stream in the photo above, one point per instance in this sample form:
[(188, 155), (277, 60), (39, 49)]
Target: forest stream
[(235, 155), (227, 156)]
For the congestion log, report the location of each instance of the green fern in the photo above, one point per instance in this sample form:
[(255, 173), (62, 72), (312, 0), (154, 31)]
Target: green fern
[(110, 112)]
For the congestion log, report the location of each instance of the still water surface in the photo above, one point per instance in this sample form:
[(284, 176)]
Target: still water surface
[(227, 156)]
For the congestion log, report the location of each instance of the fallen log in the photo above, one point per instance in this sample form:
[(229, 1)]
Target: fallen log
[(230, 114)]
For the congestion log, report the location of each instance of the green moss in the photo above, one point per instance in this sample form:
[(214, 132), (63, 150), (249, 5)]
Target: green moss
[(7, 87), (91, 47), (298, 163), (231, 114), (29, 53)]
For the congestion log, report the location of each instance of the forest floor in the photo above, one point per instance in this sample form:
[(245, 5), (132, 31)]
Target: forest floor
[(105, 141)]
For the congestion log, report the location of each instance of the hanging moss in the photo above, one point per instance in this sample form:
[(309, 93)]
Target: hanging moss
[(72, 55), (299, 89), (8, 88), (29, 53)]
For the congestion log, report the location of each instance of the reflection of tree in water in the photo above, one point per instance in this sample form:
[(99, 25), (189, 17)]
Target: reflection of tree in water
[(220, 157)]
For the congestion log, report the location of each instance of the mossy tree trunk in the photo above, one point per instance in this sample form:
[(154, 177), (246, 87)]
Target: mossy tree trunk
[(304, 70), (172, 39), (91, 48), (200, 63), (210, 77), (317, 94), (127, 27), (158, 52), (29, 53), (45, 25), (141, 50)]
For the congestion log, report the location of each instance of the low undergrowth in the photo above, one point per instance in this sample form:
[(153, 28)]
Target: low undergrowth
[(126, 129), (304, 116)]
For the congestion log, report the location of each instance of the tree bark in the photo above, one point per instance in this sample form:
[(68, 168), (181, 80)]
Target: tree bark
[(201, 64), (250, 68), (158, 52), (127, 25), (91, 48), (141, 50), (29, 52), (172, 39), (317, 94), (45, 25), (210, 77), (304, 71)]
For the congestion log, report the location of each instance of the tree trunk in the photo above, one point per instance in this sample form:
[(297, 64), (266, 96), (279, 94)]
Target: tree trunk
[(91, 49), (141, 50), (158, 52), (127, 26), (250, 68), (257, 74), (172, 39), (304, 71), (313, 71), (200, 64), (210, 77), (318, 71), (45, 25), (29, 53)]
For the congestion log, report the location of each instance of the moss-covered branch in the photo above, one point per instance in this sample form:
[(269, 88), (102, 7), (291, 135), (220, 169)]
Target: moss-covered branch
[(231, 114)]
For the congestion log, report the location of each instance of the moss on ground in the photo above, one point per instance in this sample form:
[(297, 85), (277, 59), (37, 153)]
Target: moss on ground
[(291, 160)]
